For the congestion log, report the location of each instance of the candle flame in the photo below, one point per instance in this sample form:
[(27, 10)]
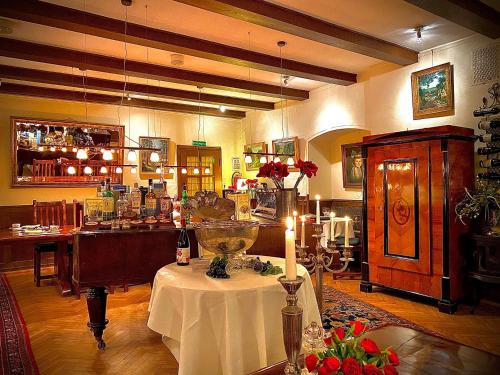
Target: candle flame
[(317, 197), (347, 218), (303, 218), (294, 213), (289, 223), (332, 214)]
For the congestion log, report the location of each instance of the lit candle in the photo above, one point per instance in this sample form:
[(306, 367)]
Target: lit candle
[(303, 232), (318, 215), (290, 262), (295, 225), (332, 226), (346, 234)]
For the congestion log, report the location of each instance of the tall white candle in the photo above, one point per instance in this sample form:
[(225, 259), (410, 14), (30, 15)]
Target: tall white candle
[(295, 225), (332, 226), (290, 261), (318, 213), (303, 232), (346, 234)]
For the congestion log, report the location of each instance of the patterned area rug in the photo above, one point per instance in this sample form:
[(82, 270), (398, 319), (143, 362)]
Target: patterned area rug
[(341, 308), (16, 356)]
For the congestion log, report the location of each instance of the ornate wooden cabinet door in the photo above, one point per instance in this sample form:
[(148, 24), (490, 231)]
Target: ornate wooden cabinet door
[(402, 209)]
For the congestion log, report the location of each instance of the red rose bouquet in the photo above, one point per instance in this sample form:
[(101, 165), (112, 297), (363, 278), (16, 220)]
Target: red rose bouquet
[(278, 171), (347, 352)]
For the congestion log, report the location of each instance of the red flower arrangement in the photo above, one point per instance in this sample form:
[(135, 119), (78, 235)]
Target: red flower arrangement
[(278, 171), (348, 353)]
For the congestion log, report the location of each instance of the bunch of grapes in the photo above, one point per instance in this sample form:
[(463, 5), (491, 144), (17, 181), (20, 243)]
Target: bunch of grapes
[(266, 268), (217, 268)]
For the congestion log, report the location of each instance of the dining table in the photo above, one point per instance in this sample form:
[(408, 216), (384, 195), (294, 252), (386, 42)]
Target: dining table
[(62, 261), (224, 326)]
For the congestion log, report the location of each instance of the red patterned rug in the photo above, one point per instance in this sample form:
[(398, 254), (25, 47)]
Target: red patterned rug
[(16, 356)]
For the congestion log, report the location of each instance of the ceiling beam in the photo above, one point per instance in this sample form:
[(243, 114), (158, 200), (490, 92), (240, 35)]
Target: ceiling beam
[(80, 96), (289, 21), (83, 22), (89, 61), (471, 14), (70, 80)]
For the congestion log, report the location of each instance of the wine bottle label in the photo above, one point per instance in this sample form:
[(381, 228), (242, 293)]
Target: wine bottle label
[(183, 255), (108, 204), (150, 204), (487, 138)]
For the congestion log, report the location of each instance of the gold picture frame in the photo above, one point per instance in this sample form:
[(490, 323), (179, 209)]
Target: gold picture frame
[(432, 92), (147, 169)]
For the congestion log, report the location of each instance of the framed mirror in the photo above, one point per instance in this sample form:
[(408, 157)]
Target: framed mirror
[(44, 153)]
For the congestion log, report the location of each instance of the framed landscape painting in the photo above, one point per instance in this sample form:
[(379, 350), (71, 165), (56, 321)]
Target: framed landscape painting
[(287, 146), (147, 167), (255, 147), (432, 92), (352, 166)]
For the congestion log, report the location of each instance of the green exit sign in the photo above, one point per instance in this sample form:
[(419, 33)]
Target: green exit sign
[(200, 143)]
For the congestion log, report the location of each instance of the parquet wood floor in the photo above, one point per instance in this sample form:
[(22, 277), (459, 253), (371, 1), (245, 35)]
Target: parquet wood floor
[(62, 344)]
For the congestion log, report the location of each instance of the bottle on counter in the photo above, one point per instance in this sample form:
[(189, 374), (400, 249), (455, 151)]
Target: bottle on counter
[(488, 138), (183, 245), (489, 176), (108, 210), (488, 163), (184, 205), (489, 124), (165, 202), (488, 150), (135, 199), (121, 205), (150, 200)]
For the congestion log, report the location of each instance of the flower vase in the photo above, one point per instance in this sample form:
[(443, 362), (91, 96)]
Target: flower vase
[(286, 202)]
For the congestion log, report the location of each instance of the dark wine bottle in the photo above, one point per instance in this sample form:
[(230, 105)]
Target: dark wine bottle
[(489, 176), (488, 150), (489, 124), (183, 246), (488, 138), (486, 111), (488, 163)]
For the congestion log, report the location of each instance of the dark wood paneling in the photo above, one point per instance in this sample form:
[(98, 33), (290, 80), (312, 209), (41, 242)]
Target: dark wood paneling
[(70, 80), (289, 21), (89, 61), (104, 27)]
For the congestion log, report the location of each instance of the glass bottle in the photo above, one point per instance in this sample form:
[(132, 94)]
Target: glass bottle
[(150, 200), (184, 205), (135, 199), (122, 205), (108, 210), (165, 202), (183, 245)]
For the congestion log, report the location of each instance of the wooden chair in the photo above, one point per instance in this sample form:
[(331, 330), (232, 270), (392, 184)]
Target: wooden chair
[(46, 213), (43, 170)]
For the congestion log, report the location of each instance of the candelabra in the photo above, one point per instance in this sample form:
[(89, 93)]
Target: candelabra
[(323, 260)]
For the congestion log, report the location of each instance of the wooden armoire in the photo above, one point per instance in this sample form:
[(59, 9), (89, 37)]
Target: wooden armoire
[(413, 241)]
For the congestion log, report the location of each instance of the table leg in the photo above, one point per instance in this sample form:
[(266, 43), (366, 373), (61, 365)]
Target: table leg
[(61, 263), (96, 305)]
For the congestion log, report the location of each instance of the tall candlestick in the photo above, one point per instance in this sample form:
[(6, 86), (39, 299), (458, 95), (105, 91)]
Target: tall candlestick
[(303, 232), (290, 261), (346, 234), (295, 225), (318, 214), (332, 226)]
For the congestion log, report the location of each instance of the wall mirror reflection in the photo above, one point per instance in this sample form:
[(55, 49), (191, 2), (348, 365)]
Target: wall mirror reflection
[(64, 153)]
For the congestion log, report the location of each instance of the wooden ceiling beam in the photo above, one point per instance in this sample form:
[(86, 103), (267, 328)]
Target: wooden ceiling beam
[(71, 80), (471, 14), (75, 20), (89, 61), (289, 21), (80, 96)]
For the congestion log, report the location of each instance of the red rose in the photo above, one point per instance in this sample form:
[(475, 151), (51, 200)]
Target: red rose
[(358, 327), (324, 371), (265, 170), (279, 170), (369, 369), (307, 167), (390, 370), (351, 367), (311, 362), (332, 364), (328, 341), (369, 346), (340, 332), (393, 357)]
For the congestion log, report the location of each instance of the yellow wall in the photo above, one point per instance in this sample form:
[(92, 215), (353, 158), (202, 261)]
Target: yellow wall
[(180, 128)]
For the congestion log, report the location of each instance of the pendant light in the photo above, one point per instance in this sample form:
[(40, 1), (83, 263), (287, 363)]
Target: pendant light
[(277, 159), (87, 170), (207, 170), (158, 170), (74, 149), (82, 154), (196, 170), (184, 171), (71, 170), (290, 161), (52, 149), (103, 170), (131, 156), (171, 170), (64, 149), (119, 170), (41, 148), (248, 159), (133, 170), (107, 155), (154, 157), (263, 159)]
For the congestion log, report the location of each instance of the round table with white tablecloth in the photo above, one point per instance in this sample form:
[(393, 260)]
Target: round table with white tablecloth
[(224, 326)]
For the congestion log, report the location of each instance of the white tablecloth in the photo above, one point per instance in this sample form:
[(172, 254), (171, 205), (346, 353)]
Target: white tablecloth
[(224, 326)]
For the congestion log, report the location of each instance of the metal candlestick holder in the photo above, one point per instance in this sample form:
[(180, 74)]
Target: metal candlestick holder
[(292, 324), (323, 260)]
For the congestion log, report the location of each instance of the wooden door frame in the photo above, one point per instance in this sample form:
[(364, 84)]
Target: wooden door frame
[(182, 148)]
